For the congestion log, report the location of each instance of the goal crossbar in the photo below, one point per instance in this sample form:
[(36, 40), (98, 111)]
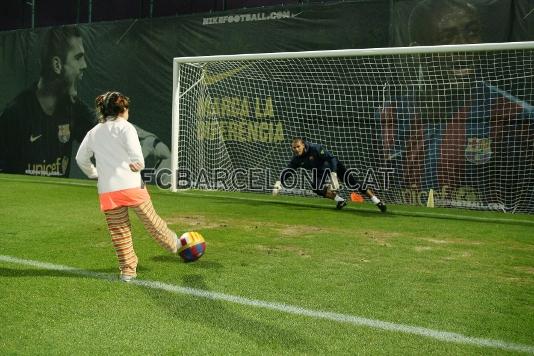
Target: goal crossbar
[(475, 47)]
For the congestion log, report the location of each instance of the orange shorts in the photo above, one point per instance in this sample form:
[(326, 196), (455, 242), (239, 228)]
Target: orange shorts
[(125, 197)]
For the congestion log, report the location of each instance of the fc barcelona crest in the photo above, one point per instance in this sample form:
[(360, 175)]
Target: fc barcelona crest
[(63, 133), (478, 150)]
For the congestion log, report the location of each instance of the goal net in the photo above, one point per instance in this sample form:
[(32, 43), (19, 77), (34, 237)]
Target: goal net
[(451, 121)]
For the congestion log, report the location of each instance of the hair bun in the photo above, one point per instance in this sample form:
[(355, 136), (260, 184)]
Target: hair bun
[(111, 103)]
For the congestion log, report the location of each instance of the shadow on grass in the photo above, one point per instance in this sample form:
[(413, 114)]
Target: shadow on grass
[(33, 272), (447, 216), (369, 210), (222, 316), (302, 206), (199, 264), (111, 274)]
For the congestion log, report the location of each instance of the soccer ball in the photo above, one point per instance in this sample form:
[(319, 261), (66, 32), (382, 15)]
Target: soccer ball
[(192, 246)]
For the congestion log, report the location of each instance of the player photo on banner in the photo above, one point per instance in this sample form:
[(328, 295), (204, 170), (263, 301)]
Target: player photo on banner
[(42, 125), (493, 21)]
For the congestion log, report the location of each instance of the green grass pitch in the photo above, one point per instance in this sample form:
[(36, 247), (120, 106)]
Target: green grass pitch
[(281, 275)]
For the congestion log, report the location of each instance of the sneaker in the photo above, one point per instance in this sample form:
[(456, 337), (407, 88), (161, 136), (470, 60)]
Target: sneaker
[(178, 243), (126, 278), (341, 204), (381, 206)]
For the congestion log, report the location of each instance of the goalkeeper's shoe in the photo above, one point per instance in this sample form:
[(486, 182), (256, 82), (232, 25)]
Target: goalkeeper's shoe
[(381, 206), (341, 204)]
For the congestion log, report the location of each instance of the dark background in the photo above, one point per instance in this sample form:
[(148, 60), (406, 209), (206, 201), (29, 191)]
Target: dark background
[(513, 20), (16, 14)]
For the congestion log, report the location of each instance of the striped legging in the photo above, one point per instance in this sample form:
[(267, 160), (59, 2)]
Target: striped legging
[(121, 233)]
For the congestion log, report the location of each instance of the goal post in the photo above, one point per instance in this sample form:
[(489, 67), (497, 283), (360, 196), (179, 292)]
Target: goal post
[(454, 120)]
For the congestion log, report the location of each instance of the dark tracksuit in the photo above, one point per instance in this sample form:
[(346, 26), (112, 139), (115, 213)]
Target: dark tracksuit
[(320, 162)]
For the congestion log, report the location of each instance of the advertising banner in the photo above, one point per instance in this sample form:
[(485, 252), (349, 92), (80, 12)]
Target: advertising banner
[(135, 57)]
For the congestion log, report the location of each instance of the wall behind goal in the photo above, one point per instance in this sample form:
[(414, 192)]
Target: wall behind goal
[(135, 56)]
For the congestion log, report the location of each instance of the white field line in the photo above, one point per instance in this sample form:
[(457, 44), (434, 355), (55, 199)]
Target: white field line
[(289, 309)]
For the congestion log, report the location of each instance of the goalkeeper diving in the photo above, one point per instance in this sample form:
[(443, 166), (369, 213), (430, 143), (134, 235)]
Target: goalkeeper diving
[(315, 158)]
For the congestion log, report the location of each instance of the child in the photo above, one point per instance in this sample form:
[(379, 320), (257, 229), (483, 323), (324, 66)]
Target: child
[(119, 159)]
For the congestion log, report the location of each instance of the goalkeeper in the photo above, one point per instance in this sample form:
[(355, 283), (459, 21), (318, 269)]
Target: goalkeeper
[(321, 162)]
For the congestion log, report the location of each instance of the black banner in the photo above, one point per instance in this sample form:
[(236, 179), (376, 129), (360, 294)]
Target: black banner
[(43, 119), (135, 57)]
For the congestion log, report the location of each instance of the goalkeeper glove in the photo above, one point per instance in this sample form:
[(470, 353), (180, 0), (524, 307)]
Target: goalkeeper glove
[(277, 187), (333, 181)]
